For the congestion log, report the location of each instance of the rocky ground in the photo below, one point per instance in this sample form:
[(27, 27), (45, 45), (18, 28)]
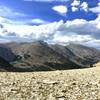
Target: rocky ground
[(77, 84)]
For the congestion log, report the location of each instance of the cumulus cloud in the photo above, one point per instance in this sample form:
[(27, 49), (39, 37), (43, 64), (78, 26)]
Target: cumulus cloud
[(84, 6), (76, 5), (95, 9), (94, 43), (74, 9), (63, 39), (38, 21), (60, 9), (99, 3), (78, 31)]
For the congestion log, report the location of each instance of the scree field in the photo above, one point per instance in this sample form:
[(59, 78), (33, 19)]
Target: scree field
[(76, 84)]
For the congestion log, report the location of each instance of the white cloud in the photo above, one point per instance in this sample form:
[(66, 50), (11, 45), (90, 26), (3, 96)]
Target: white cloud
[(84, 6), (75, 3), (99, 3), (74, 9), (63, 39), (78, 31), (95, 9), (39, 21), (60, 9)]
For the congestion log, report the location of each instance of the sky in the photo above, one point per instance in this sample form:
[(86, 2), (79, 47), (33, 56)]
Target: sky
[(53, 21)]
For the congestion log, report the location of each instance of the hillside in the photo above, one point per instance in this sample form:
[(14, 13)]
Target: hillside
[(81, 55), (40, 56), (76, 84), (6, 53), (5, 65)]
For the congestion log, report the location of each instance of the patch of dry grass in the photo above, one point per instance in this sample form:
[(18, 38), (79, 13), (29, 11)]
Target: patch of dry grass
[(77, 84)]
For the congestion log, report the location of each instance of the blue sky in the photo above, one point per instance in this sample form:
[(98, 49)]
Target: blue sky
[(43, 9), (54, 21)]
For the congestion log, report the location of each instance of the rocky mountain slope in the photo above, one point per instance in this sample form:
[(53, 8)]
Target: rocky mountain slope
[(40, 56), (78, 54), (5, 66), (6, 53)]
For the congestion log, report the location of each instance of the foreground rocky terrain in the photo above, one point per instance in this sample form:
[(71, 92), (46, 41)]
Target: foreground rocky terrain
[(76, 84)]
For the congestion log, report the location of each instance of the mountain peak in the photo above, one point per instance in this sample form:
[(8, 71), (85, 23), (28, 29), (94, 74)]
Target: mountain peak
[(39, 56)]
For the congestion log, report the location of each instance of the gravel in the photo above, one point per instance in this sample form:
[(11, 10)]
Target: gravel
[(77, 84)]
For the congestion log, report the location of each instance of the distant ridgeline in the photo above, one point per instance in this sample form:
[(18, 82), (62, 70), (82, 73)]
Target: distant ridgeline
[(40, 56)]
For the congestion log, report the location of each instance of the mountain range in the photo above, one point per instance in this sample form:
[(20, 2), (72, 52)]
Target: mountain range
[(41, 56)]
